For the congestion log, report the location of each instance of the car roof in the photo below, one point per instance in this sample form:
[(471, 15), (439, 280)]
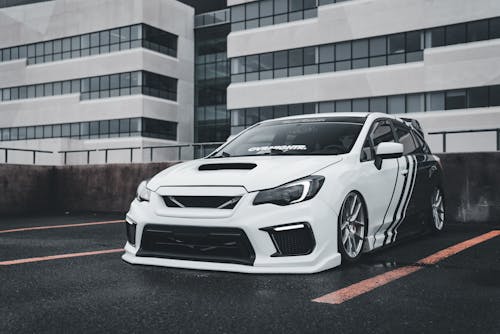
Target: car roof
[(341, 115)]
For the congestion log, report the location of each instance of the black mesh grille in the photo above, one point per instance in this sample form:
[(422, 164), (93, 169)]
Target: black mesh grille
[(212, 244), (222, 202), (293, 242), (130, 232)]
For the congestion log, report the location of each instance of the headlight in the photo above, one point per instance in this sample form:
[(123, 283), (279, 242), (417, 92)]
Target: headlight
[(295, 192), (143, 193)]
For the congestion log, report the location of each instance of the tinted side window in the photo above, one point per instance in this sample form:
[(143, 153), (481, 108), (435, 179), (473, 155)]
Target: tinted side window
[(421, 145), (406, 139), (381, 132)]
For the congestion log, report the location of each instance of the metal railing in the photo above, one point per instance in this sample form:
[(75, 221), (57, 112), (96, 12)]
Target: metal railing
[(34, 152), (445, 133), (199, 150)]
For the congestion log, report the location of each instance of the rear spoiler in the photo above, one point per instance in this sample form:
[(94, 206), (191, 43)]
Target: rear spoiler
[(414, 124)]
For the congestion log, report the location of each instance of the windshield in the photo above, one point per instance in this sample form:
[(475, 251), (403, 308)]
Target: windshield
[(294, 138)]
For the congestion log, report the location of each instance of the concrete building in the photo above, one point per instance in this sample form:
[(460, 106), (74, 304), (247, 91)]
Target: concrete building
[(435, 60), (94, 74), (103, 74)]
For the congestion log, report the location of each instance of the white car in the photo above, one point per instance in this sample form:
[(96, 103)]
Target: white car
[(292, 195)]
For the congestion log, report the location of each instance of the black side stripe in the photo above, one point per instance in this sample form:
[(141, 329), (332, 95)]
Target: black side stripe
[(392, 197), (408, 198), (394, 218)]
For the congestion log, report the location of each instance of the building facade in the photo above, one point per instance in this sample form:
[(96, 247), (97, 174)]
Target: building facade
[(79, 75), (434, 60), (95, 74)]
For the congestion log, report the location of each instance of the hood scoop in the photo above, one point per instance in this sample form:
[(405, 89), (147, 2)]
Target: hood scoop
[(228, 166)]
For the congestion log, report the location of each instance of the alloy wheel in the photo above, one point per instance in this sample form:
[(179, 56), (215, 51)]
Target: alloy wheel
[(353, 225), (437, 202)]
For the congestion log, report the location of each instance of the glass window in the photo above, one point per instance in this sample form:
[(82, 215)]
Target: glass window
[(396, 43), (84, 129), (281, 59), (343, 51), (266, 8), (296, 58), (326, 53), (495, 28), (360, 48), (295, 5), (280, 6), (456, 99), (238, 13), (266, 61), (414, 41), (415, 103), (66, 44), (360, 105), (396, 104), (378, 46), (310, 55), (477, 31), (378, 104), (104, 37), (455, 34), (252, 63), (382, 133), (405, 138), (435, 37), (252, 10), (343, 106), (477, 97), (85, 41), (435, 101), (94, 84), (114, 81), (495, 95)]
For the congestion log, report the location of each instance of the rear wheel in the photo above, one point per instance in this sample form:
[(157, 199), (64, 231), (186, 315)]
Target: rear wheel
[(352, 227), (437, 210)]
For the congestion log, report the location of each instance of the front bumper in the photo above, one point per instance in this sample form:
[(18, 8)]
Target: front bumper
[(253, 221)]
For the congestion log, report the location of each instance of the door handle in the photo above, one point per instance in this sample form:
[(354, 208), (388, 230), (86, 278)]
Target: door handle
[(404, 171)]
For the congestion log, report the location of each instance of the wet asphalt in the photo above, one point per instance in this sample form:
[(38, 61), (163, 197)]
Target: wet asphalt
[(103, 294)]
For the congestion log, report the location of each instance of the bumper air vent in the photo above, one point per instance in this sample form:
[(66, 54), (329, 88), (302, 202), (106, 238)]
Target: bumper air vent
[(292, 239), (211, 244)]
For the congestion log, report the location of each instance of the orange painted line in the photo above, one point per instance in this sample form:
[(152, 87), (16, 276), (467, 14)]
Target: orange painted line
[(60, 226), (56, 257), (436, 257), (367, 285)]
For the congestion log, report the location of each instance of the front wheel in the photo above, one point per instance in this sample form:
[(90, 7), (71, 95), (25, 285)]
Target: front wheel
[(437, 210), (352, 227)]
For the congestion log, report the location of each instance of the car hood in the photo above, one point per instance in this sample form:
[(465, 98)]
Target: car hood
[(253, 172)]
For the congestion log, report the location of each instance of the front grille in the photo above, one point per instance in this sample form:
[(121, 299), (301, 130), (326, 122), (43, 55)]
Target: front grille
[(212, 244), (292, 242), (214, 202)]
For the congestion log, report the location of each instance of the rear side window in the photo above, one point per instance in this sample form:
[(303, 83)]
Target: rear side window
[(405, 137), (421, 145)]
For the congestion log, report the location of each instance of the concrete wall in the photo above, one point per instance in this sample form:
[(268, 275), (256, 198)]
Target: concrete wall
[(471, 184), (25, 189)]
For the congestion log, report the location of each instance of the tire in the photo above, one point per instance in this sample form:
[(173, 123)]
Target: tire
[(437, 210), (352, 227)]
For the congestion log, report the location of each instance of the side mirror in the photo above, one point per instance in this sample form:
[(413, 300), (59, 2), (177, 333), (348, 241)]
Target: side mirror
[(387, 151), (231, 137)]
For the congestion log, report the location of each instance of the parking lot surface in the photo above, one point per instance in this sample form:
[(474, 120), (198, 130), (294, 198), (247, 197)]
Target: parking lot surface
[(64, 274)]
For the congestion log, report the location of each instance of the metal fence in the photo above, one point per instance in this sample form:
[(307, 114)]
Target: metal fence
[(444, 135), (133, 154), (162, 153)]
